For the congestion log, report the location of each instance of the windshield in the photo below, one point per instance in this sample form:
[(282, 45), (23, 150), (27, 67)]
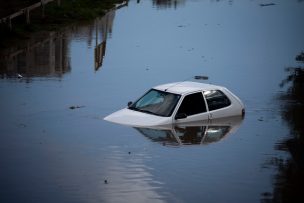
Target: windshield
[(156, 102)]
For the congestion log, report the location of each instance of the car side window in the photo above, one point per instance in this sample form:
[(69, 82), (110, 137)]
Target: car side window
[(192, 104), (216, 99)]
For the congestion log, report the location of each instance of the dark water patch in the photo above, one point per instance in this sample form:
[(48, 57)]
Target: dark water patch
[(41, 56), (288, 182), (167, 4), (46, 54), (300, 57)]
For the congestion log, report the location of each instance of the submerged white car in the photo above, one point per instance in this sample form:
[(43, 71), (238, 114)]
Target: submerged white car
[(180, 102)]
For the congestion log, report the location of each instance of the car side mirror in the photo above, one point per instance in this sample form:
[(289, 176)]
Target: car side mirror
[(130, 103), (180, 116)]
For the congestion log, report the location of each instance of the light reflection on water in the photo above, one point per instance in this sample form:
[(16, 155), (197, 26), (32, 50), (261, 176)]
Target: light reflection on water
[(130, 179), (195, 133), (51, 153), (48, 55)]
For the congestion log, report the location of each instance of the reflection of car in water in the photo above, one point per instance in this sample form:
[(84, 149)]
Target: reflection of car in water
[(193, 133), (178, 103)]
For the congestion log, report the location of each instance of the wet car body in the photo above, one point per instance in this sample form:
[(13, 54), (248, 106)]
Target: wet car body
[(180, 102)]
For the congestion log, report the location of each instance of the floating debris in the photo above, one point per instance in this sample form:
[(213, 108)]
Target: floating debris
[(201, 77), (261, 119), (19, 76), (21, 125), (269, 4), (76, 107)]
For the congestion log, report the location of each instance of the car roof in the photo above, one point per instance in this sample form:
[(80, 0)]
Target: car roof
[(185, 87)]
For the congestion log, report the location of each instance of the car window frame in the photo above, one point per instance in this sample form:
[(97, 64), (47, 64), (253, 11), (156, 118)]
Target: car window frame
[(182, 99), (220, 92)]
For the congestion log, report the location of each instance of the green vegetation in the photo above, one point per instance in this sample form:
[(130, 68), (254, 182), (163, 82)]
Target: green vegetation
[(55, 17)]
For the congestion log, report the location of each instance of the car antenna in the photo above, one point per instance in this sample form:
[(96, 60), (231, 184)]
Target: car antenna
[(177, 84), (197, 77)]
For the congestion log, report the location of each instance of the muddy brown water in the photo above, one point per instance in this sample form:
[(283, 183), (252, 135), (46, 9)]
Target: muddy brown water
[(56, 89)]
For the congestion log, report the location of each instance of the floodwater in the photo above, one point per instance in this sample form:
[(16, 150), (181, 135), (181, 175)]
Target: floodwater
[(57, 87)]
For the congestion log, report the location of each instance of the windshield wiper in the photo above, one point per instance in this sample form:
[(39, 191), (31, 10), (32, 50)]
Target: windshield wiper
[(142, 110), (147, 111)]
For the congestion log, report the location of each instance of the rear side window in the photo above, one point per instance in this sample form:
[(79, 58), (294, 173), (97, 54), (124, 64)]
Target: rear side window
[(193, 104), (216, 99)]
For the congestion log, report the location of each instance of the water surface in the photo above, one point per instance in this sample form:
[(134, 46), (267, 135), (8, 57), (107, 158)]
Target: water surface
[(56, 89)]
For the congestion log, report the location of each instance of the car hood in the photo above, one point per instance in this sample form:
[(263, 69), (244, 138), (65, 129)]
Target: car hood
[(137, 119)]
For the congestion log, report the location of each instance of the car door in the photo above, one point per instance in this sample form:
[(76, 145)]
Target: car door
[(192, 108)]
